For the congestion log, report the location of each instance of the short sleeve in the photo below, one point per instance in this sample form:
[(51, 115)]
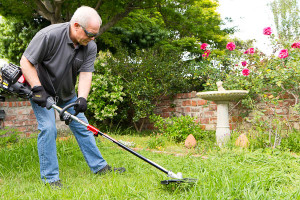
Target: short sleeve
[(37, 48), (88, 64)]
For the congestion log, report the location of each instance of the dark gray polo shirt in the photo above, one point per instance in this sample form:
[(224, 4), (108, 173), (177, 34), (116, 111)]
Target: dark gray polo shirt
[(57, 62)]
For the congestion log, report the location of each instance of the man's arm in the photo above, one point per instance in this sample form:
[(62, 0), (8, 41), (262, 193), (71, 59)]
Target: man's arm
[(84, 84), (29, 72)]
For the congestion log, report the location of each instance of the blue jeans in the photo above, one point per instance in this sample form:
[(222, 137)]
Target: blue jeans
[(47, 142)]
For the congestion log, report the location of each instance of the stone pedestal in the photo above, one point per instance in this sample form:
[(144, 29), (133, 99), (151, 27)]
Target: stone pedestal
[(222, 98), (223, 130)]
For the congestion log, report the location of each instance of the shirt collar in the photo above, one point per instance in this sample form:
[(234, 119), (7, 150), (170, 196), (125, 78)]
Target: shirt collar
[(69, 41)]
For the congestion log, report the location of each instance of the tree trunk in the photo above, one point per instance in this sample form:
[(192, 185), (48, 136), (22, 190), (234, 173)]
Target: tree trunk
[(51, 10)]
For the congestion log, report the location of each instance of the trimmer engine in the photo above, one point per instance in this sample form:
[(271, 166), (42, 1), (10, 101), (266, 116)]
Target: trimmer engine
[(12, 80)]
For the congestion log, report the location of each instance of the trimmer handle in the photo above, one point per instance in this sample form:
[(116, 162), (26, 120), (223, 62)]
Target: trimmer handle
[(49, 103)]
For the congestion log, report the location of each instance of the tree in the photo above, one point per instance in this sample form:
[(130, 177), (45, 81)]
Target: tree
[(176, 14), (15, 34), (286, 15), (131, 23)]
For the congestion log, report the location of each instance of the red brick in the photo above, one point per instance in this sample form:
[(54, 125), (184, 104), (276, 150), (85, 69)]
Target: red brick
[(9, 123), (213, 120), (195, 109), (212, 107), (21, 112), (187, 109), (204, 120), (187, 103), (22, 129), (179, 96), (169, 109), (10, 117), (193, 94), (194, 103), (202, 102), (165, 115), (209, 114), (289, 102)]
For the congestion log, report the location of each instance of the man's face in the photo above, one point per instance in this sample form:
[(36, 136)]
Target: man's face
[(86, 34)]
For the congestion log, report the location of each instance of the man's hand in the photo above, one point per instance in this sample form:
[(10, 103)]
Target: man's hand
[(81, 105), (39, 95)]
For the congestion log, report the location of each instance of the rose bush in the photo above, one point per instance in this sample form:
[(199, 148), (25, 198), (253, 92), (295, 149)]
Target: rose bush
[(265, 76), (268, 78)]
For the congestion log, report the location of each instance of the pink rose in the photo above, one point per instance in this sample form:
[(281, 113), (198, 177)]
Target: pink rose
[(296, 45), (283, 53), (230, 46), (250, 50), (206, 54), (267, 31), (246, 72), (203, 46), (244, 63)]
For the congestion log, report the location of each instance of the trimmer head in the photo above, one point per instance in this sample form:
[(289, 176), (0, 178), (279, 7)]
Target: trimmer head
[(183, 180)]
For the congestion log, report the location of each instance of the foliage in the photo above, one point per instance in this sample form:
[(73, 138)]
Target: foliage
[(287, 18), (178, 128), (157, 141), (266, 131), (15, 35), (106, 92), (141, 29), (129, 24), (270, 77), (8, 137), (291, 141), (148, 76)]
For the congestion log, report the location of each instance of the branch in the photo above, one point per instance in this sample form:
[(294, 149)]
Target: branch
[(57, 12), (98, 4), (116, 19), (43, 10)]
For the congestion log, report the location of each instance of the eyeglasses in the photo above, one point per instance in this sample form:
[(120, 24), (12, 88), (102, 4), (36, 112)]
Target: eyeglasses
[(89, 34)]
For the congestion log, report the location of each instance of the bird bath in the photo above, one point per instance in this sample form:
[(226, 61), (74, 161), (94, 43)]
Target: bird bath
[(222, 98)]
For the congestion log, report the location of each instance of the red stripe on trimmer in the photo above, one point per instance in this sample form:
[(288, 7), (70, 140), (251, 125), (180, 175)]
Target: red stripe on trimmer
[(93, 129)]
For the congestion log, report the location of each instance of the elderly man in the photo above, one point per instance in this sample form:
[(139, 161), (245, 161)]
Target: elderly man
[(50, 64)]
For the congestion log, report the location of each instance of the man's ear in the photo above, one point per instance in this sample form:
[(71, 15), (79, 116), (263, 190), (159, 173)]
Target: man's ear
[(76, 25)]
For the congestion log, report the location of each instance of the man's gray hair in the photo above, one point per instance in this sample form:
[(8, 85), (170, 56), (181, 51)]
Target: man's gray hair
[(83, 14)]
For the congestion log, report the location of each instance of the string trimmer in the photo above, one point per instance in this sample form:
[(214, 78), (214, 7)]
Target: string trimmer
[(12, 80)]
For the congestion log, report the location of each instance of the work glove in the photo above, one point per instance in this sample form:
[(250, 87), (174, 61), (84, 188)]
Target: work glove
[(81, 105), (39, 95)]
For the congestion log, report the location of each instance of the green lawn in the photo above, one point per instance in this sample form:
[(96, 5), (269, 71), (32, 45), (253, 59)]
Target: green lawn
[(222, 174)]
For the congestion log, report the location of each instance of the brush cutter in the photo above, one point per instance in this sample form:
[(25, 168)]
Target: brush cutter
[(12, 80)]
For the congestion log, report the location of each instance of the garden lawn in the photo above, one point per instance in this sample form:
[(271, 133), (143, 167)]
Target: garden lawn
[(222, 174)]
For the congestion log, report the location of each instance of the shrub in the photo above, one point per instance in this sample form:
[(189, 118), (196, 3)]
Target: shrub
[(178, 128), (291, 141), (106, 93), (252, 70), (157, 141)]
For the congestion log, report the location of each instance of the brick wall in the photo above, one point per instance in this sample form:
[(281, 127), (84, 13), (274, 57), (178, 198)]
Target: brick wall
[(19, 115), (206, 111)]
